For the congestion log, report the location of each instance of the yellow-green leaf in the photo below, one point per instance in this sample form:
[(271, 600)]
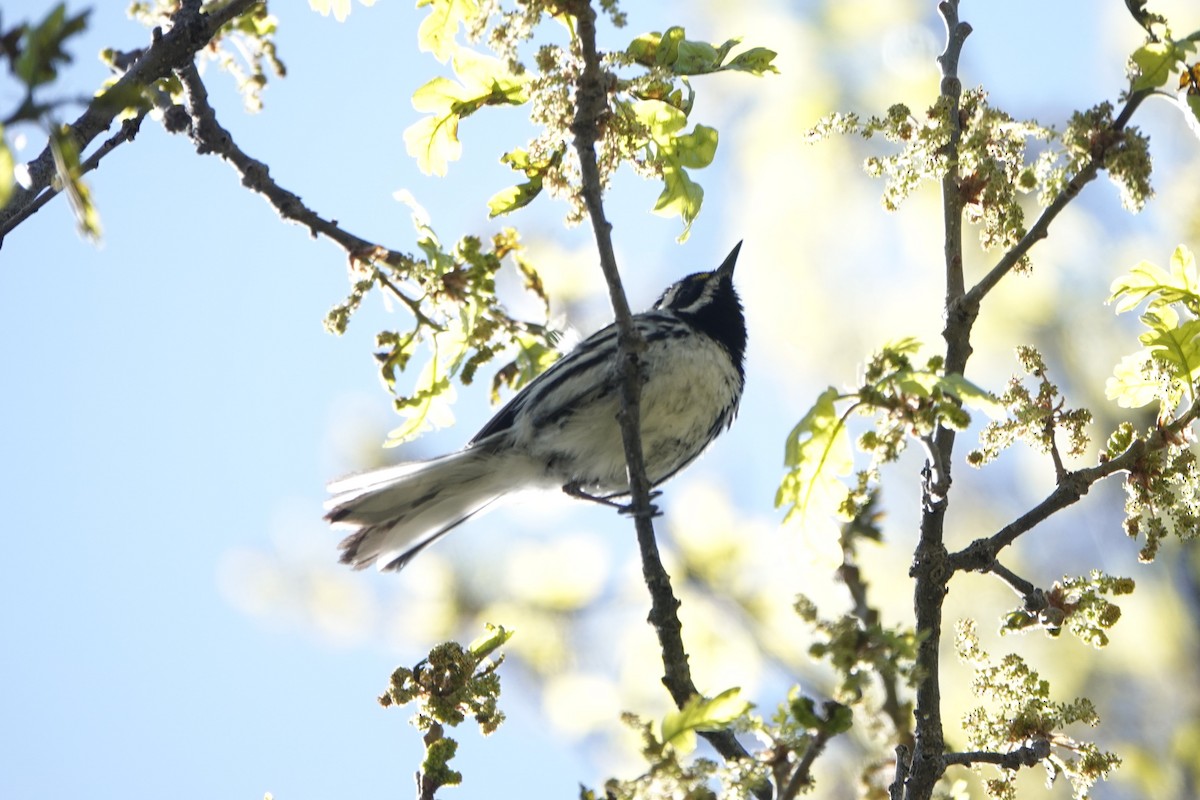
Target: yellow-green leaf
[(702, 714), (756, 61), (662, 119), (508, 200), (6, 170), (680, 197), (339, 8), (696, 149), (70, 177), (1153, 64), (818, 451), (433, 142), (485, 645), (437, 31)]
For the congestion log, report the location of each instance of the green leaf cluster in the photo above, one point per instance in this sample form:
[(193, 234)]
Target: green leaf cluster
[(1019, 711), (1162, 488), (647, 126), (796, 728), (40, 49), (1124, 154), (671, 50), (456, 316), (1162, 57), (1034, 417), (859, 651), (906, 401), (1167, 368), (480, 81), (1079, 604), (36, 52), (675, 152), (450, 684)]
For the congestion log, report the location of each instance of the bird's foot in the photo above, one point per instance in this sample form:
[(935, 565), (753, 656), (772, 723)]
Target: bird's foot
[(577, 491)]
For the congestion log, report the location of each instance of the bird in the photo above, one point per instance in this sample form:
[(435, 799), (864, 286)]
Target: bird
[(561, 430)]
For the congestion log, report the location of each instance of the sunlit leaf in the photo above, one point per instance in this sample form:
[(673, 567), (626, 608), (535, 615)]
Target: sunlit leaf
[(482, 80), (428, 408), (1176, 346), (1147, 280), (6, 170), (1154, 63), (818, 451), (696, 149), (756, 61), (69, 175), (681, 197), (339, 8), (497, 636), (662, 119), (433, 142), (1132, 384), (685, 56), (437, 31), (972, 395), (702, 714)]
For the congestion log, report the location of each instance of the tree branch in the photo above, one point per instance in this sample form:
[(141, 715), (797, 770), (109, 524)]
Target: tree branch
[(930, 570), (1040, 229), (191, 30), (591, 112), (980, 554)]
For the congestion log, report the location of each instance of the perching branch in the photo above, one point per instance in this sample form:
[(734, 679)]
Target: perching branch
[(591, 112), (191, 30)]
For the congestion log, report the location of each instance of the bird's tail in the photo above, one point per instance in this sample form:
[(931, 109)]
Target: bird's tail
[(396, 512)]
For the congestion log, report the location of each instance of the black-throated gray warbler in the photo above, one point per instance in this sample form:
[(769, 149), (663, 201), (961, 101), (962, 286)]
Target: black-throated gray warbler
[(561, 429)]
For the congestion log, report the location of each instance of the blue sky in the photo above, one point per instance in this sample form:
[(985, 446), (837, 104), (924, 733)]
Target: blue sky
[(170, 398)]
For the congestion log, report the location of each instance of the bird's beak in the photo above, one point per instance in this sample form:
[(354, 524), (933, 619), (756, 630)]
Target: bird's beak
[(726, 268)]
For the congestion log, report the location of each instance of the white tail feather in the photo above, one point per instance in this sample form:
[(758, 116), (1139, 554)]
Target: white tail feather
[(395, 512)]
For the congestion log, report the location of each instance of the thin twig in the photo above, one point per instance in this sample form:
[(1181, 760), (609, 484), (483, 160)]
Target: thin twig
[(1041, 227), (1028, 755), (896, 790), (981, 553), (128, 130), (1024, 588), (591, 112), (211, 138), (802, 775), (191, 30)]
